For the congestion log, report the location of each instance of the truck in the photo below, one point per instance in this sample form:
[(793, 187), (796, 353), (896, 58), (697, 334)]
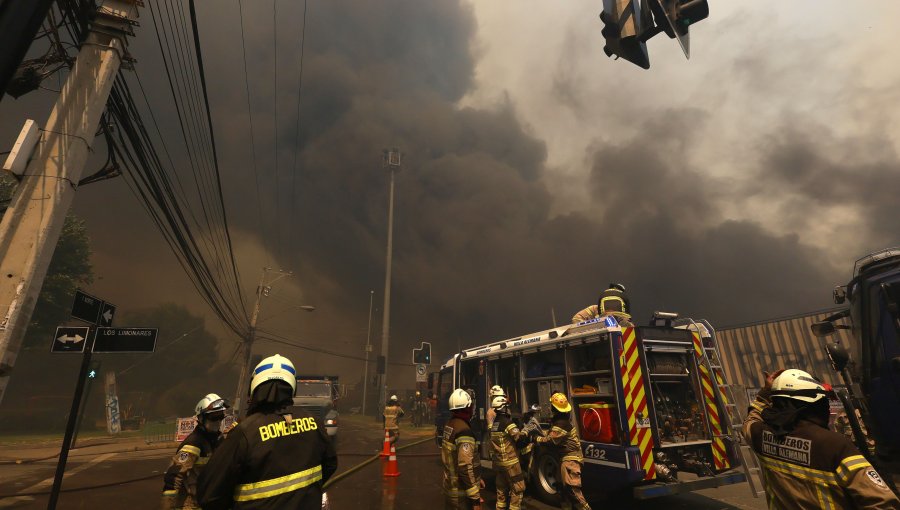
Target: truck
[(650, 403), (870, 365), (317, 395)]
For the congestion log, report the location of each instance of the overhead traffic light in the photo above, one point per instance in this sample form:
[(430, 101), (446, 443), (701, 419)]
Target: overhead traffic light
[(623, 27), (679, 15), (422, 355)]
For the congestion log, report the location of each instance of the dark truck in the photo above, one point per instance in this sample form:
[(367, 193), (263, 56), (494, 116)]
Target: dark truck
[(317, 394), (870, 366)]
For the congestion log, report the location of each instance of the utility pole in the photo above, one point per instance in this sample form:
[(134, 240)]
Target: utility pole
[(391, 161), (368, 350), (263, 289), (31, 226)]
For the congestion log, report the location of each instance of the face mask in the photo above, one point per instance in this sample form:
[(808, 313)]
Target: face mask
[(213, 425)]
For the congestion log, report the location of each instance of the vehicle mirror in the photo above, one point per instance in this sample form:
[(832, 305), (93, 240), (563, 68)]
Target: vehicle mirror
[(839, 356), (822, 329)]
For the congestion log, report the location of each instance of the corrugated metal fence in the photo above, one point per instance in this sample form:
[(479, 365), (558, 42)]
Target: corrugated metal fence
[(787, 342)]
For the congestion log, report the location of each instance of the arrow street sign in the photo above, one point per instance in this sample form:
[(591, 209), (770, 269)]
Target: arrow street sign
[(86, 307), (68, 339), (107, 314), (125, 340)]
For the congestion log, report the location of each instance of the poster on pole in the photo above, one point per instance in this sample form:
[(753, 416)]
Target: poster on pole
[(184, 427), (113, 421)]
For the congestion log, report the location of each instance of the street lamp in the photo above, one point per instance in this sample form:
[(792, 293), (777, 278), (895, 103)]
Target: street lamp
[(391, 162)]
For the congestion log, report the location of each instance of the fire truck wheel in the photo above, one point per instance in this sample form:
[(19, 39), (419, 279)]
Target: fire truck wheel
[(545, 477)]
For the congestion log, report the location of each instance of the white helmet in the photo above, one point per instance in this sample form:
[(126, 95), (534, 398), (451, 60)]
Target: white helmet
[(460, 399), (497, 390), (499, 402), (210, 404), (798, 385), (393, 398), (277, 368)]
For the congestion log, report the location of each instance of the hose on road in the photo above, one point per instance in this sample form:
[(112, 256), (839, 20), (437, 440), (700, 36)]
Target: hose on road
[(85, 488), (337, 478)]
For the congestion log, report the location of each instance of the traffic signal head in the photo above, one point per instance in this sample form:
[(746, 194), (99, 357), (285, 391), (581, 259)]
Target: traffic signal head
[(679, 15), (422, 355), (623, 30)]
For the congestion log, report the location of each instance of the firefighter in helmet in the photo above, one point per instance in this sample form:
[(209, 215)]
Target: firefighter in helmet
[(391, 418), (180, 480), (495, 391), (613, 302), (563, 437), (805, 464), (275, 457), (504, 435), (459, 455)]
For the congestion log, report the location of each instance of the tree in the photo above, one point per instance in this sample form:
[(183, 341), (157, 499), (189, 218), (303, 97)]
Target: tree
[(70, 268)]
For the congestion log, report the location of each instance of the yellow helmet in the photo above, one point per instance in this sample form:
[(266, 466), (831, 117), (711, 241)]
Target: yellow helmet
[(560, 403)]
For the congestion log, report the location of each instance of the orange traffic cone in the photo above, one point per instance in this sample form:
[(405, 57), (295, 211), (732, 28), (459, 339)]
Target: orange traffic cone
[(390, 467), (386, 449)]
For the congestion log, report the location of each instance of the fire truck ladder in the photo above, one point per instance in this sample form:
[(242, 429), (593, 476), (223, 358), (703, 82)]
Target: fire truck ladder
[(713, 361)]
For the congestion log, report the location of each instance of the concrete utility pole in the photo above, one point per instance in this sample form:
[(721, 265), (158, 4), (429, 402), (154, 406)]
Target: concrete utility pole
[(240, 394), (368, 350), (391, 161), (32, 224)]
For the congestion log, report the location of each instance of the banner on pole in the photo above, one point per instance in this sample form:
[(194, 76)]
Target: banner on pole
[(184, 427)]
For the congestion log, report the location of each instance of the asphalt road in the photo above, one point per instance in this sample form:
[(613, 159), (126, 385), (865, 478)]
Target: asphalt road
[(105, 478)]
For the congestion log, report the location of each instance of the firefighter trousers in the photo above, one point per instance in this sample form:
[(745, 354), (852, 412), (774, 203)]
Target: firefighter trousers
[(393, 435), (572, 498), (510, 479)]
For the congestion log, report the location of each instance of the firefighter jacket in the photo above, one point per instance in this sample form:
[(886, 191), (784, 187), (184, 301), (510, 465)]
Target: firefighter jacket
[(564, 437), (592, 312), (460, 458), (180, 480), (392, 415), (504, 435), (269, 461), (813, 467)]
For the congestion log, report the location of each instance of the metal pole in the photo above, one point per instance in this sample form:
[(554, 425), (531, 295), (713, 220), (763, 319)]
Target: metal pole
[(73, 419), (386, 317), (368, 349), (31, 226), (553, 314), (247, 347)]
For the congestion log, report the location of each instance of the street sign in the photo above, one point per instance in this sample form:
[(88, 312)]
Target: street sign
[(69, 339), (420, 373), (107, 312), (86, 308), (125, 340)]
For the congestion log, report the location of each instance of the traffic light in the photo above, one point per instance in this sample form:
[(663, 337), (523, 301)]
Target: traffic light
[(422, 355), (623, 29)]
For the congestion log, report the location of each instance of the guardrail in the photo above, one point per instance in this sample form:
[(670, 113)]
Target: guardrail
[(159, 432)]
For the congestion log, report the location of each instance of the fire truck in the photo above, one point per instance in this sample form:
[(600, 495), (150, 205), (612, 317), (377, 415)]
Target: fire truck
[(651, 404), (870, 365)]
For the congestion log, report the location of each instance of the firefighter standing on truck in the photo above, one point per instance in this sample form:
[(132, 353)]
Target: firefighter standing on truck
[(271, 459), (806, 465), (613, 302), (509, 478), (391, 418), (564, 438), (462, 481), (180, 480)]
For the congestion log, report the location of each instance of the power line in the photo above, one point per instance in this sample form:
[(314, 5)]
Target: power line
[(297, 144), (274, 337)]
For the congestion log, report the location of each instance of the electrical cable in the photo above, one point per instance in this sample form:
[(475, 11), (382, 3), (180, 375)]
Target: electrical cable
[(291, 220)]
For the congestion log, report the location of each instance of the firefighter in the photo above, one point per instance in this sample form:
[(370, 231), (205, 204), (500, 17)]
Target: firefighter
[(504, 436), (391, 418), (564, 438), (495, 391), (180, 480), (613, 302), (459, 455), (805, 464), (271, 459)]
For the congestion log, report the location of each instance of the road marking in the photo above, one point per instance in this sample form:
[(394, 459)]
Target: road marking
[(7, 502)]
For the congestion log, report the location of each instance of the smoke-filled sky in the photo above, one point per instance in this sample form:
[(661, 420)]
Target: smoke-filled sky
[(738, 185)]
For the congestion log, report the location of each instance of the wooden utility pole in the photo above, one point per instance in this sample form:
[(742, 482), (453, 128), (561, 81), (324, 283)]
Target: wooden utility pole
[(31, 226)]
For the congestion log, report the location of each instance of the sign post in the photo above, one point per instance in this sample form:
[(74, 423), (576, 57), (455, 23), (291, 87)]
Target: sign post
[(87, 349)]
